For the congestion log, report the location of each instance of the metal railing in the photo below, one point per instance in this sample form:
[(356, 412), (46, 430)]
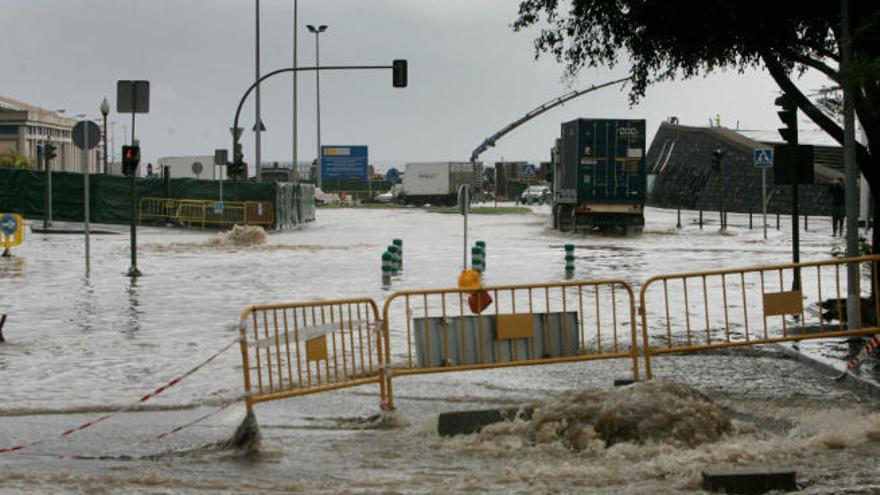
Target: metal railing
[(205, 212), (433, 331), (755, 305), (302, 348)]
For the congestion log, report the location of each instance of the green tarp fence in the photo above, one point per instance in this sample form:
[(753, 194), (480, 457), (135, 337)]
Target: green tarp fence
[(23, 192)]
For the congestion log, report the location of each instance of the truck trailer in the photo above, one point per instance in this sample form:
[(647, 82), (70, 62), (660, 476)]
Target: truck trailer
[(438, 182), (599, 180)]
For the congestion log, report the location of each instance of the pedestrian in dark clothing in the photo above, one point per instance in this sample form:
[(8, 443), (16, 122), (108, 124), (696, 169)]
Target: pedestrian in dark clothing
[(838, 210)]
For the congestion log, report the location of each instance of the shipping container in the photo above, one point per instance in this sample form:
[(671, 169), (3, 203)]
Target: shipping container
[(599, 180)]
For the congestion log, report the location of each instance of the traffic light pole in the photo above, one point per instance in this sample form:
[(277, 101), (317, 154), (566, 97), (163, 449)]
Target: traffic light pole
[(236, 149), (851, 175)]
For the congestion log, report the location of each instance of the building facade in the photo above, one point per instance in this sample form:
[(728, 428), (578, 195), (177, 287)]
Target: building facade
[(24, 126)]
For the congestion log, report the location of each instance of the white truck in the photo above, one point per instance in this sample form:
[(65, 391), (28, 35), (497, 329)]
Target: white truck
[(438, 182)]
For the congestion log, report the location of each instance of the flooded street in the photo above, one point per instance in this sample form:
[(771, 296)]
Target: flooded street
[(79, 349)]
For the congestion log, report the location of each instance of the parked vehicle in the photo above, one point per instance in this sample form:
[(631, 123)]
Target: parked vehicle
[(599, 181), (535, 195), (438, 182)]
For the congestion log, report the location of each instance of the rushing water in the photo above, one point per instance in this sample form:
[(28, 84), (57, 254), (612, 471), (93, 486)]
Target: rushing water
[(80, 348)]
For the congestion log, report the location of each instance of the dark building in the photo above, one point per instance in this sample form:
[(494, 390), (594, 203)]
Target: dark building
[(681, 165)]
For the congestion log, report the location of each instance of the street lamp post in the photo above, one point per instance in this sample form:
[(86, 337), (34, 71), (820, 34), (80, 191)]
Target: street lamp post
[(320, 29), (258, 126), (105, 109), (295, 24)]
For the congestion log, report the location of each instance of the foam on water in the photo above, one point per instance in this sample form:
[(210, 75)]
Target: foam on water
[(240, 236)]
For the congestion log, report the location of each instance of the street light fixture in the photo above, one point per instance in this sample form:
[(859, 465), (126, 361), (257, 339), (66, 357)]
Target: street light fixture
[(320, 29), (105, 109)]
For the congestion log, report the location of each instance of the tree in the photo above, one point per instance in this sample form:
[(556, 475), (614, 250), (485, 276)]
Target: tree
[(670, 39), (11, 159)]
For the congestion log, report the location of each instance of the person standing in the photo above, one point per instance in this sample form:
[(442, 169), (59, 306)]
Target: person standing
[(838, 211)]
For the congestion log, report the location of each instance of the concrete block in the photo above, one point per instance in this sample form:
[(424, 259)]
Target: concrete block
[(467, 422), (750, 482)]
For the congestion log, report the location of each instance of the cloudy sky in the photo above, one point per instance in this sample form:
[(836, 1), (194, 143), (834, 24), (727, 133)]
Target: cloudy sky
[(469, 75)]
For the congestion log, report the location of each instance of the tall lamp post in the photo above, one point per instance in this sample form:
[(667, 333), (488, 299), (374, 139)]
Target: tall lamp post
[(105, 109), (295, 25), (320, 29)]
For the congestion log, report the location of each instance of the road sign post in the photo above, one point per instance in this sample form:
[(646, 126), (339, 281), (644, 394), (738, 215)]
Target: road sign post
[(764, 160), (86, 135)]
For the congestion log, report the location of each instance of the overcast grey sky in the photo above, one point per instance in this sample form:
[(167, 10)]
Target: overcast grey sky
[(469, 75)]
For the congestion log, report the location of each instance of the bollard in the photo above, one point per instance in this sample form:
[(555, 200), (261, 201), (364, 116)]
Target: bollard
[(482, 246), (701, 219), (678, 221), (806, 223), (2, 322), (399, 244), (569, 259), (477, 259), (387, 260), (777, 221), (750, 220), (395, 259)]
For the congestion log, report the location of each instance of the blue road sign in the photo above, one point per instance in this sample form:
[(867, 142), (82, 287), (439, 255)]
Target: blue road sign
[(529, 170), (8, 224), (218, 208), (763, 157), (344, 162), (393, 175)]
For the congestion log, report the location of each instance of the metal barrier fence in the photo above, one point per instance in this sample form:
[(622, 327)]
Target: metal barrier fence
[(303, 348), (756, 305), (433, 331), (205, 212)]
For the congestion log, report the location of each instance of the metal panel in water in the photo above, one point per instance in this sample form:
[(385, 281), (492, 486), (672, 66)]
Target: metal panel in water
[(467, 340)]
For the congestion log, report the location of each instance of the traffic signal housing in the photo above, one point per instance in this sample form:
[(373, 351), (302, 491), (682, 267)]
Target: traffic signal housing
[(236, 170), (398, 68), (49, 151), (131, 158), (788, 116)]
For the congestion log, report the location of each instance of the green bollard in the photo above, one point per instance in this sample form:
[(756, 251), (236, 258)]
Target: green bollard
[(386, 266), (395, 259), (482, 246), (569, 259), (477, 259), (399, 244)]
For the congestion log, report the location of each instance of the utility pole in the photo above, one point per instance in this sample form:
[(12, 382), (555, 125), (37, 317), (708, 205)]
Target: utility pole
[(295, 27), (258, 126), (849, 159)]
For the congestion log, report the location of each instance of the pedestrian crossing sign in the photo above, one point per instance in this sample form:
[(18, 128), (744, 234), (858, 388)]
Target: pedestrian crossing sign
[(763, 157)]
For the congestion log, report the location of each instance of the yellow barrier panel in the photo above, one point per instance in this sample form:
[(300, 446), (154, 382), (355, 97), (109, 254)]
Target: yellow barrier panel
[(756, 305), (11, 230), (438, 330), (205, 212), (302, 348)]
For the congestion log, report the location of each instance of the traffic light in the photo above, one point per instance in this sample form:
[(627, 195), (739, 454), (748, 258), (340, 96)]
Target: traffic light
[(788, 116), (131, 157), (398, 68), (236, 170), (49, 151)]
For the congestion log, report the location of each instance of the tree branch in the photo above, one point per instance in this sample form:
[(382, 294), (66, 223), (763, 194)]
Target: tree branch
[(815, 64)]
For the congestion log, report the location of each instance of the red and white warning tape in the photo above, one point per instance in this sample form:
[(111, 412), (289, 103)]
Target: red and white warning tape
[(869, 349), (866, 352), (89, 424)]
